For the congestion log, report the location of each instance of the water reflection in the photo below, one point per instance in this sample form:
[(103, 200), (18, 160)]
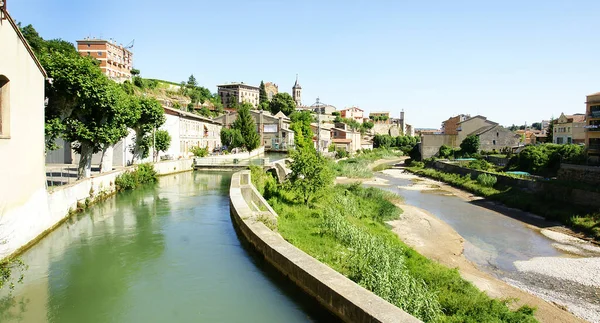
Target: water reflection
[(163, 253)]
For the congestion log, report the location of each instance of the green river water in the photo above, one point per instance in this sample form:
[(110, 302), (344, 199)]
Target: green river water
[(162, 253)]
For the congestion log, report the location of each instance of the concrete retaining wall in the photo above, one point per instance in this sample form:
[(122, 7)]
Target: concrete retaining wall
[(48, 209), (334, 291), (579, 173)]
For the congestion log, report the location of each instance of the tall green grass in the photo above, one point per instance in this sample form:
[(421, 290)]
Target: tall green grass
[(346, 230), (358, 167)]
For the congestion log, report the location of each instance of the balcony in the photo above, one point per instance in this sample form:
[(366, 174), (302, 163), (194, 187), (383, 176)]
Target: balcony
[(594, 114), (594, 147)]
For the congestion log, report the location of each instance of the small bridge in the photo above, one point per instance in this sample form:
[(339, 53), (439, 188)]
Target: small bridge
[(279, 168)]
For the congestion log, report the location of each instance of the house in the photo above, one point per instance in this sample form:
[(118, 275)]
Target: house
[(323, 137), (23, 196), (189, 130), (450, 126), (345, 138), (274, 130), (569, 129), (531, 137), (353, 113), (491, 137), (592, 129)]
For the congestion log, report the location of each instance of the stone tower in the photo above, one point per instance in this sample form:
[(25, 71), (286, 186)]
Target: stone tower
[(297, 92)]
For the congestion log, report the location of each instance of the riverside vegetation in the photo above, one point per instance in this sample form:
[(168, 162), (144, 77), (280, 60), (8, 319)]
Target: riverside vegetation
[(577, 217), (142, 174), (344, 226)]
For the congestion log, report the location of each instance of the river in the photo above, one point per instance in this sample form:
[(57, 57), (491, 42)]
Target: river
[(163, 253), (497, 242)]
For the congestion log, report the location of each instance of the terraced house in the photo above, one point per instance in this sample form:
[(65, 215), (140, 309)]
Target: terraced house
[(569, 129)]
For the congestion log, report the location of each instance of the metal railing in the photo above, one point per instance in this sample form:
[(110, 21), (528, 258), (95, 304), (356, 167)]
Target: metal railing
[(63, 174), (208, 161)]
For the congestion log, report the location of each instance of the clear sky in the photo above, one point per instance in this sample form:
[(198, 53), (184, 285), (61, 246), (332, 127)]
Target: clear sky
[(512, 61)]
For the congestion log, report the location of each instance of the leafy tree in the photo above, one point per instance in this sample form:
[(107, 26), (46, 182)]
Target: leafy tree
[(470, 145), (367, 125), (264, 106), (84, 106), (135, 72), (163, 140), (383, 141), (247, 127), (232, 138), (310, 173), (338, 119), (282, 102), (151, 117), (336, 114), (513, 127), (445, 152), (205, 112), (262, 97), (537, 125), (301, 126)]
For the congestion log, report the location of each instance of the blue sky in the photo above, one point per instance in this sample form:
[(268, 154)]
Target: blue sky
[(512, 61)]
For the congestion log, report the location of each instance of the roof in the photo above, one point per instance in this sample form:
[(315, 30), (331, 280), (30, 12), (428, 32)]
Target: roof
[(482, 130), (296, 85), (191, 115), (234, 84), (341, 141), (578, 117), (356, 108), (280, 115), (480, 117), (24, 41)]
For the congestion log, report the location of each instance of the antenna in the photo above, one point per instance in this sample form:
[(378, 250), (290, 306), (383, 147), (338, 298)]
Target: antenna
[(130, 45)]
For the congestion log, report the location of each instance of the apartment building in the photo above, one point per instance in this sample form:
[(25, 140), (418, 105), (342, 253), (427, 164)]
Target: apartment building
[(450, 126), (116, 61), (592, 128), (236, 93), (353, 113)]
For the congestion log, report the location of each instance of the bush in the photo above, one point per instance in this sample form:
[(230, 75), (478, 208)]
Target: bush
[(417, 164), (199, 151), (445, 152), (341, 153), (480, 164), (487, 180), (142, 174)]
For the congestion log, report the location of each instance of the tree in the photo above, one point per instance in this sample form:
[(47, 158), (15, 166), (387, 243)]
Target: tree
[(310, 173), (336, 114), (232, 138), (383, 141), (513, 127), (151, 116), (550, 132), (262, 97), (282, 102), (470, 145), (303, 135), (205, 112), (191, 83), (162, 140), (135, 72), (247, 127), (536, 125)]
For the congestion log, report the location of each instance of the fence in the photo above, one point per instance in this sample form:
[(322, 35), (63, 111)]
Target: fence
[(208, 161), (58, 175)]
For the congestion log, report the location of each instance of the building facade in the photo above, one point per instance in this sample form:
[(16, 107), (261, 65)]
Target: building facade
[(569, 129), (450, 126), (23, 196), (323, 138), (344, 138), (116, 61), (297, 93), (236, 93), (271, 89), (189, 130), (592, 133), (274, 130), (353, 113)]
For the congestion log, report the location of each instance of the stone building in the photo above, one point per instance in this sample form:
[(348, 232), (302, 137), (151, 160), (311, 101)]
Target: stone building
[(353, 113), (569, 129), (496, 138), (274, 130), (238, 93), (116, 61), (23, 196), (189, 130), (450, 126), (271, 89)]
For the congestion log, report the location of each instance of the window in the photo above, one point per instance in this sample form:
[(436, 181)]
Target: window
[(89, 53), (569, 129), (4, 107), (99, 53), (88, 45), (494, 142)]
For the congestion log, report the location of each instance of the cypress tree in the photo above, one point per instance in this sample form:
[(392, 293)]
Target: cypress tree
[(262, 97), (247, 127)]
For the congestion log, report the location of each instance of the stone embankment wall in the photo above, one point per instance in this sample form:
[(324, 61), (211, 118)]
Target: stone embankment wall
[(340, 295), (579, 173), (21, 232), (550, 190)]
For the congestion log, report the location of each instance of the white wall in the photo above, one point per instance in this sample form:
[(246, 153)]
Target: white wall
[(22, 159)]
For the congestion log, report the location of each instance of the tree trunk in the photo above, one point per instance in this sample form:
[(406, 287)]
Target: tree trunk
[(106, 161), (137, 151), (84, 170)]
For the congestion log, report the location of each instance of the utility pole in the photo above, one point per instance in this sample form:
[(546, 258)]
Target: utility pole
[(318, 106)]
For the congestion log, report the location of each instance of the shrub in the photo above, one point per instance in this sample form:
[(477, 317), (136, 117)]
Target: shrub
[(487, 180), (143, 173), (199, 151), (341, 153), (445, 152), (417, 164), (480, 164)]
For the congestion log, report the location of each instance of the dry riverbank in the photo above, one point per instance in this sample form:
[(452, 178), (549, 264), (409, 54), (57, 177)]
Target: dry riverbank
[(437, 240)]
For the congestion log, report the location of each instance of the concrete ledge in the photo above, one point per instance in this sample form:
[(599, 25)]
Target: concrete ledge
[(340, 295)]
